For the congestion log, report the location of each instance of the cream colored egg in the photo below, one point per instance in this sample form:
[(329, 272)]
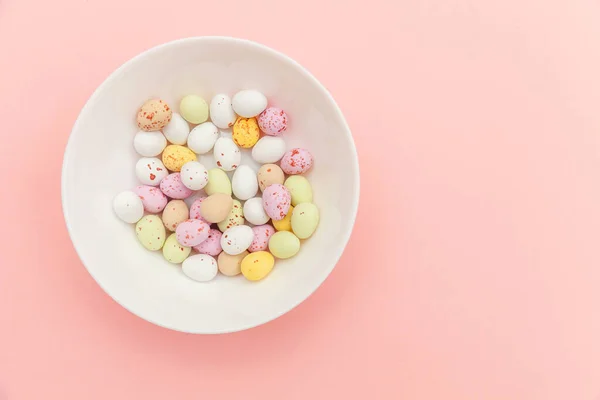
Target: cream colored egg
[(235, 217), (284, 244), (305, 219), (231, 265), (194, 109), (216, 207), (175, 212), (300, 189), (174, 252), (244, 182), (202, 138), (227, 154), (221, 111), (218, 182), (150, 231), (270, 174)]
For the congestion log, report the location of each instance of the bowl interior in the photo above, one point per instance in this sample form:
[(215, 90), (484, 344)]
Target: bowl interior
[(99, 163)]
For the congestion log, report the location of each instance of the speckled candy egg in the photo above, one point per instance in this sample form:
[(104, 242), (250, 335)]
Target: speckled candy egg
[(227, 154), (245, 132), (150, 231), (174, 252), (285, 224), (249, 103), (174, 188), (200, 267), (270, 174), (273, 121), (192, 232), (128, 206), (194, 175), (235, 217), (149, 144), (153, 199), (154, 115), (195, 208), (177, 130), (276, 201), (237, 239), (262, 234), (221, 111), (212, 245), (150, 171), (175, 212), (203, 137), (296, 161), (175, 156)]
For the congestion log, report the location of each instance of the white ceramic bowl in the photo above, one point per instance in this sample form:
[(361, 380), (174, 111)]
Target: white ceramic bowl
[(99, 163)]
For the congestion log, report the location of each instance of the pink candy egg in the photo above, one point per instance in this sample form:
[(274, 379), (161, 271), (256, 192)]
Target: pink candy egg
[(296, 161), (276, 201), (273, 121), (172, 186), (192, 232), (153, 199), (262, 234), (195, 209), (212, 245)]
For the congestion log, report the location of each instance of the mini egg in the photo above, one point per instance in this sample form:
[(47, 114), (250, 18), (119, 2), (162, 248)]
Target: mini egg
[(262, 234), (245, 132), (174, 188), (227, 154), (305, 219), (270, 174), (194, 175), (150, 231), (195, 208), (221, 111), (286, 223), (154, 115), (296, 161), (173, 251), (244, 182), (128, 206), (234, 218), (192, 232), (149, 144), (268, 150), (212, 245), (177, 130), (284, 244), (194, 109), (231, 265), (150, 171), (153, 199), (237, 239), (276, 201), (218, 182), (249, 103), (202, 138), (174, 156), (254, 211), (200, 267), (255, 266), (216, 207), (300, 189), (175, 212), (273, 121)]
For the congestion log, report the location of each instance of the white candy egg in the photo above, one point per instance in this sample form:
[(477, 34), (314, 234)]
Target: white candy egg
[(227, 154), (203, 137), (254, 211), (177, 130), (249, 103), (150, 171), (194, 175), (237, 239), (244, 182), (200, 267), (149, 144), (221, 111), (128, 207), (268, 150)]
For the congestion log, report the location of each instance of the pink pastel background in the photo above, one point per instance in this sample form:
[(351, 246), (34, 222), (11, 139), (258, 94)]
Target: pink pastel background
[(474, 268)]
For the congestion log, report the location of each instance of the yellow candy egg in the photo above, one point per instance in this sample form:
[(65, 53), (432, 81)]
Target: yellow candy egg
[(257, 265), (174, 252), (150, 232), (305, 219), (174, 156), (245, 132), (218, 182), (284, 244), (300, 189), (286, 223), (194, 109)]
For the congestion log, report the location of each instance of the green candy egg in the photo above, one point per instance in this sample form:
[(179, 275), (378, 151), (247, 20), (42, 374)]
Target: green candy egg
[(300, 189), (305, 219), (218, 182), (173, 251), (151, 233), (194, 109)]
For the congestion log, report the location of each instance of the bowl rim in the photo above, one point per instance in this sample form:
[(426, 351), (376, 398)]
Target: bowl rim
[(89, 105)]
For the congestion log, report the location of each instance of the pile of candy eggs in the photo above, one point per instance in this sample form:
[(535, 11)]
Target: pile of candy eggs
[(230, 219)]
